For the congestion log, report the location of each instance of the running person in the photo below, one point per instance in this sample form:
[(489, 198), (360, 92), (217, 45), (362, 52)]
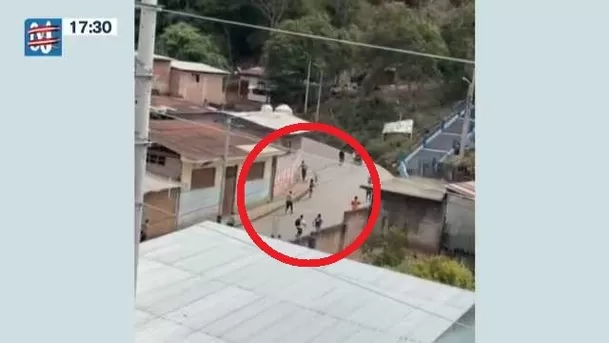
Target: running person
[(289, 203), (311, 186), (369, 190), (341, 157), (317, 222), (303, 170), (299, 223)]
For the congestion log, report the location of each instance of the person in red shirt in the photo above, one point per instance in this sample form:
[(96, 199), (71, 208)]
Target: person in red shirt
[(355, 203)]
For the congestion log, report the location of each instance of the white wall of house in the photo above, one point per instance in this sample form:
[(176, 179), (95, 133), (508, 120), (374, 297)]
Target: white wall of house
[(255, 85), (197, 204), (287, 172), (201, 204)]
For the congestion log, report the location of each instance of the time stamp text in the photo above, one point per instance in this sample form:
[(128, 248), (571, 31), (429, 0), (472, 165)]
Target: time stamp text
[(90, 27)]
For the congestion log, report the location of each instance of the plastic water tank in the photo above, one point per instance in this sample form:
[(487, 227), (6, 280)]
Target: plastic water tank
[(283, 108), (266, 108)]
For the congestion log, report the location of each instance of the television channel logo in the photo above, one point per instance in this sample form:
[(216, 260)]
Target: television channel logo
[(43, 37)]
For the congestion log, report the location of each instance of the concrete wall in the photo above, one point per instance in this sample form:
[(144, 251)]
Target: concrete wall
[(191, 86), (287, 172), (161, 212), (423, 219), (162, 75), (257, 191), (197, 205), (460, 229), (171, 166), (336, 238)]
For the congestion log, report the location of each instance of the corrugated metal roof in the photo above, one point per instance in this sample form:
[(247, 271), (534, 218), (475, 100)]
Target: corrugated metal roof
[(467, 189), (197, 67), (177, 105), (266, 151), (156, 183), (209, 283), (162, 58), (198, 141), (271, 120), (417, 187)]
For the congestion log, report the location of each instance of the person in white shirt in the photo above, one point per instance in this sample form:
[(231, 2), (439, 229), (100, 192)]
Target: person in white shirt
[(300, 224)]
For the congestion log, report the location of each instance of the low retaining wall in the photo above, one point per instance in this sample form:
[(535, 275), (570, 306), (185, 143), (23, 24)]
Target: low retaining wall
[(335, 238)]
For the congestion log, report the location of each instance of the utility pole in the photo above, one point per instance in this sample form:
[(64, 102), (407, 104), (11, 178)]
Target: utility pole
[(143, 92), (275, 231), (224, 166), (468, 113), (321, 78), (306, 101), (400, 114)]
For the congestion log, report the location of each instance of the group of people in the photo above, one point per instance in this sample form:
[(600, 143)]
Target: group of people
[(300, 224)]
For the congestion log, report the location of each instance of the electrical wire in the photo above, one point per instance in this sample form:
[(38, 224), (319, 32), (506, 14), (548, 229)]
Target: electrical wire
[(306, 35), (342, 41), (319, 269)]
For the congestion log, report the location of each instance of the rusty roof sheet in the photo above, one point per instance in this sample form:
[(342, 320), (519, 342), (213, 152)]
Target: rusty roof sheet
[(416, 187), (200, 141), (197, 67), (177, 105), (466, 189)]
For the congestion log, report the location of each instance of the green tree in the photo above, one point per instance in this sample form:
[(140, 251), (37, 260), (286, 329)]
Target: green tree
[(185, 42), (272, 10), (344, 12), (459, 34), (388, 248), (287, 56), (398, 26)]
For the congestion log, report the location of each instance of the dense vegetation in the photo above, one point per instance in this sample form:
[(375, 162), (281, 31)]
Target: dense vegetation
[(419, 86), (388, 249)]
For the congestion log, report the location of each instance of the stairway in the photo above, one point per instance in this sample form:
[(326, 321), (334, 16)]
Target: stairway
[(438, 144)]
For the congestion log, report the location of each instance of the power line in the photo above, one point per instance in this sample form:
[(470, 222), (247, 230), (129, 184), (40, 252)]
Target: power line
[(310, 36)]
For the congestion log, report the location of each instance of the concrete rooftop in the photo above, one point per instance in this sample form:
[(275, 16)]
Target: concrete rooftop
[(209, 283)]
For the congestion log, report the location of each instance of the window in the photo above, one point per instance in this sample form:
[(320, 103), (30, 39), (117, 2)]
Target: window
[(256, 171), (197, 77), (155, 159), (258, 91), (203, 178)]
